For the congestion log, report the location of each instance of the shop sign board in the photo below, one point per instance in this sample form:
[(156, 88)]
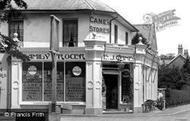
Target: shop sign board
[(61, 56), (99, 24), (117, 57)]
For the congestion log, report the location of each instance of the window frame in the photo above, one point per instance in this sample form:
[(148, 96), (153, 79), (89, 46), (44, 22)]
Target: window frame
[(65, 43), (12, 23)]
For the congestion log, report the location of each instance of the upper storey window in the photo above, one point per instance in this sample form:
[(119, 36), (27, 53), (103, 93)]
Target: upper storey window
[(126, 38), (16, 26), (70, 33), (115, 34)]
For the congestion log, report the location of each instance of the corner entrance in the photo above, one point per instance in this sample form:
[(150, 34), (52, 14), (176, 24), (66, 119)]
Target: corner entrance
[(111, 94)]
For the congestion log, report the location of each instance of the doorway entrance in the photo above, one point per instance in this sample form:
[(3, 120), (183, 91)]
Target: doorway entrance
[(111, 88)]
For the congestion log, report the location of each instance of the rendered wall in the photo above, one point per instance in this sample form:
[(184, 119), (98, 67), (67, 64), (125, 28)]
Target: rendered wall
[(3, 81)]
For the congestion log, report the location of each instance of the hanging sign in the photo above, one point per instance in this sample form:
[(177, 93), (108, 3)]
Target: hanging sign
[(162, 20)]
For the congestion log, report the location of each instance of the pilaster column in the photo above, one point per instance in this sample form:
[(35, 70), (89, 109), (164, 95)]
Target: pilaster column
[(138, 77), (138, 95), (94, 51), (16, 84)]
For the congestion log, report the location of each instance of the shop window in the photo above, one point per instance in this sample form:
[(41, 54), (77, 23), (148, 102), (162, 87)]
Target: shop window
[(16, 26), (37, 81), (127, 85), (32, 81), (70, 33), (75, 81), (116, 34)]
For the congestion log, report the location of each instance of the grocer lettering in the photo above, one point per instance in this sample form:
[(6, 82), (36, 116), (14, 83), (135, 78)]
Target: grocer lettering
[(46, 56)]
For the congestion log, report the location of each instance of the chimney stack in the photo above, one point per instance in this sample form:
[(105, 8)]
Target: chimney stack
[(180, 49), (186, 54)]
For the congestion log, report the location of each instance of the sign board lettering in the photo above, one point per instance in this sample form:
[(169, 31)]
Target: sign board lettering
[(47, 56), (117, 57), (162, 20), (99, 24)]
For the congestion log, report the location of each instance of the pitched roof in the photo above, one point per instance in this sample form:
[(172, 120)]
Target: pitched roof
[(179, 56), (148, 31), (67, 5)]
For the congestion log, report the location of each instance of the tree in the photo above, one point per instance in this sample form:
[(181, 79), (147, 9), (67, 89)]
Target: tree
[(174, 77), (185, 71), (168, 77), (7, 11)]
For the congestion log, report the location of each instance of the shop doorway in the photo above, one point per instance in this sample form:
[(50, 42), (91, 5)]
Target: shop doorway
[(111, 88)]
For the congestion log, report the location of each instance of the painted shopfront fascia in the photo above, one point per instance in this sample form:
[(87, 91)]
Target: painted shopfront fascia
[(141, 61)]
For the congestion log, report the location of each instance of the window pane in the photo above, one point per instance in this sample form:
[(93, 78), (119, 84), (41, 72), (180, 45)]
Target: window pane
[(126, 38), (47, 81), (116, 34), (60, 81), (75, 81), (16, 26), (32, 81), (70, 33)]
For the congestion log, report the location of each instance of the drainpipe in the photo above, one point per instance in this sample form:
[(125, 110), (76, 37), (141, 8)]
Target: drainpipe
[(110, 26)]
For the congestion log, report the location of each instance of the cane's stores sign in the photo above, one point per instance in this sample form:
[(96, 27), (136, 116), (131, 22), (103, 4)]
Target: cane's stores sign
[(67, 56), (117, 57), (99, 24)]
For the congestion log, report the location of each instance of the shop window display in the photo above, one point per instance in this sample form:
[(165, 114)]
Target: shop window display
[(75, 81), (32, 81), (37, 81)]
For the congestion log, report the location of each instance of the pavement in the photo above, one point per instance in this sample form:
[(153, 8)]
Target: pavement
[(169, 114)]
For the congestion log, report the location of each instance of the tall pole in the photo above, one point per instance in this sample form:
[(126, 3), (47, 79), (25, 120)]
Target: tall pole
[(54, 81), (54, 48)]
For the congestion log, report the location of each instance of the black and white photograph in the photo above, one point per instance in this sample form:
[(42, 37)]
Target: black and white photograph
[(94, 60)]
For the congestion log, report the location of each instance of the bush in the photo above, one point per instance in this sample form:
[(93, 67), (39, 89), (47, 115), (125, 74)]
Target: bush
[(177, 97)]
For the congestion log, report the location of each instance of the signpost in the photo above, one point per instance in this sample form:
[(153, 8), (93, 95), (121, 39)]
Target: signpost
[(54, 48)]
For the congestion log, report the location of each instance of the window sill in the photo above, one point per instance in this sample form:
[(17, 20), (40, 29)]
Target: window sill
[(48, 102)]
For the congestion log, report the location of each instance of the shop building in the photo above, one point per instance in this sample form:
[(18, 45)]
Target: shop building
[(98, 69)]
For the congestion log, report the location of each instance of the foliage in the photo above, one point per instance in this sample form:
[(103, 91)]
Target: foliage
[(185, 71), (168, 77), (177, 83), (7, 44), (177, 97), (6, 4), (139, 37)]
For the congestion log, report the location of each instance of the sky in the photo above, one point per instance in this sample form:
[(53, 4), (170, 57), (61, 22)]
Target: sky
[(167, 39)]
